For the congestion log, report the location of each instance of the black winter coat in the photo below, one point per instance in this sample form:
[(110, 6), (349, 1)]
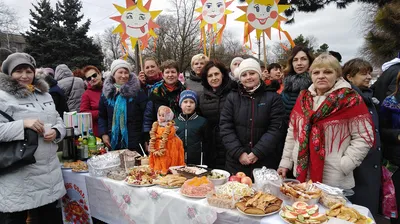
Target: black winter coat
[(58, 95), (191, 130), (136, 103), (253, 123), (386, 83), (390, 128), (211, 105), (368, 175)]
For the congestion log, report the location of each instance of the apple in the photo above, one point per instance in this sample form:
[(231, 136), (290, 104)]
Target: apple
[(240, 175), (234, 178), (246, 180)]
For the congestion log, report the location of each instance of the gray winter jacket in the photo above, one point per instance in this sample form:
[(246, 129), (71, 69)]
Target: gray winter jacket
[(73, 87), (40, 183)]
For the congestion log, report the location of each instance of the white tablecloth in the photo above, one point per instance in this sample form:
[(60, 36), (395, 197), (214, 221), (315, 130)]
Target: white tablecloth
[(115, 202)]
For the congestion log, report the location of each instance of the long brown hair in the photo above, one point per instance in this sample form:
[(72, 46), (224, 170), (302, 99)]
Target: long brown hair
[(289, 66)]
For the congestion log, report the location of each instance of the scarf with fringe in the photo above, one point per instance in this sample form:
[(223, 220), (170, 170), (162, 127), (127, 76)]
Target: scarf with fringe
[(334, 113)]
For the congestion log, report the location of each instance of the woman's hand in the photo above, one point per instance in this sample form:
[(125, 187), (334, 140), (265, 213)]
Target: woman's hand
[(142, 77), (244, 159), (282, 171), (34, 124), (50, 136), (253, 158), (106, 141)]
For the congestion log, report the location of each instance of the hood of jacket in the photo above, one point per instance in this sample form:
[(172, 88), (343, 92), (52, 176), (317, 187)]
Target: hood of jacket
[(388, 64), (62, 72), (11, 86), (128, 90)]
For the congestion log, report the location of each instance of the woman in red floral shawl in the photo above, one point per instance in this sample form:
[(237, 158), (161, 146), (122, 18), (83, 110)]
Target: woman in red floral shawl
[(330, 130)]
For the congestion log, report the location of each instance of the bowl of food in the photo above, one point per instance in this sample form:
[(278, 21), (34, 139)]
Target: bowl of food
[(218, 177), (305, 192)]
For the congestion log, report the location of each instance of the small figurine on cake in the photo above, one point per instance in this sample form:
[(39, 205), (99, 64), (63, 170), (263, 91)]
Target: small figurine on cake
[(166, 149)]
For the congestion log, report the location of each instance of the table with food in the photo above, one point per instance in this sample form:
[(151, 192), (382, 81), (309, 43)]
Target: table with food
[(196, 194)]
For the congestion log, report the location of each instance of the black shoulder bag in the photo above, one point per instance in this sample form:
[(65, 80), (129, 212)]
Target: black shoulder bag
[(16, 154)]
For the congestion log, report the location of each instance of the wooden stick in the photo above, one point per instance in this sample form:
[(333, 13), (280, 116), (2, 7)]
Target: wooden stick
[(265, 51), (209, 52), (140, 56)]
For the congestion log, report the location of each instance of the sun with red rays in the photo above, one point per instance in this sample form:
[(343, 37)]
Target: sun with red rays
[(261, 15), (213, 12), (136, 22)]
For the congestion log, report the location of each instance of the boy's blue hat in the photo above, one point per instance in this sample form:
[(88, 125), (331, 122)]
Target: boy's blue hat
[(188, 94)]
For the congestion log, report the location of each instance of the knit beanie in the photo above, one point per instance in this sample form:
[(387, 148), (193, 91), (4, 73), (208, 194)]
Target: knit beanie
[(119, 63), (188, 94), (15, 59), (235, 60), (248, 65)]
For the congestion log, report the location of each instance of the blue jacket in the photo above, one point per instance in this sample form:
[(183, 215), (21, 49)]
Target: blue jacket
[(136, 104)]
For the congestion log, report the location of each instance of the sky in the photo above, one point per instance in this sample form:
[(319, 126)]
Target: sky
[(336, 27)]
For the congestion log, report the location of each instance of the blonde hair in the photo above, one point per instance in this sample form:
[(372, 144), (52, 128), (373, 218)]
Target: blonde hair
[(198, 57), (327, 61)]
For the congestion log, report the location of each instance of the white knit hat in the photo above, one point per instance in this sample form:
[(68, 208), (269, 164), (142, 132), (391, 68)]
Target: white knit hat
[(235, 60), (248, 65), (119, 63)]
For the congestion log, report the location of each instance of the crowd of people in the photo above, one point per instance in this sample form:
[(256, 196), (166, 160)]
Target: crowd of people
[(311, 118)]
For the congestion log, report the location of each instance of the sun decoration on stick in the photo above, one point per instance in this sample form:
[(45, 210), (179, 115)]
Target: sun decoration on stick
[(137, 23), (262, 15), (212, 13)]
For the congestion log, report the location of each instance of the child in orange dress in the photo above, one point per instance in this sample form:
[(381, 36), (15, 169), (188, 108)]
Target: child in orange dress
[(165, 147)]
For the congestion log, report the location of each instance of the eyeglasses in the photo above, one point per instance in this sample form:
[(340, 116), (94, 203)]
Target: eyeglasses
[(91, 77)]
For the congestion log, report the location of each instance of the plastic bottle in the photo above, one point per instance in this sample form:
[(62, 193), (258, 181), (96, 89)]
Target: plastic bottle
[(85, 151)]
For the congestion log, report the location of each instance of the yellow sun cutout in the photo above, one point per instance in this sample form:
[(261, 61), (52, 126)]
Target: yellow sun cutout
[(262, 15), (136, 23), (212, 13)]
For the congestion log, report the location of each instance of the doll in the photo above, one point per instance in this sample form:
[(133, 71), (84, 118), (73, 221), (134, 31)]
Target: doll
[(166, 149)]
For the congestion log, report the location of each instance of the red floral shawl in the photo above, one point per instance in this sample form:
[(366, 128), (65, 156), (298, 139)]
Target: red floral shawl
[(309, 127)]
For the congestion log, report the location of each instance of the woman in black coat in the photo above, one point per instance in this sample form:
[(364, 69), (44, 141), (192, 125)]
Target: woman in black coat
[(216, 87), (390, 128), (252, 123), (368, 175)]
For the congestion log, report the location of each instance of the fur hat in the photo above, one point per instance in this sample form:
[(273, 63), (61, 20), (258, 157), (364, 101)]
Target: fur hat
[(15, 59), (188, 94), (119, 63), (248, 65)]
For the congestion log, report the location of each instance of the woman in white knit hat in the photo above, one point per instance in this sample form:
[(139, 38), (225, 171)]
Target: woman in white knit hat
[(121, 108), (251, 122), (234, 65)]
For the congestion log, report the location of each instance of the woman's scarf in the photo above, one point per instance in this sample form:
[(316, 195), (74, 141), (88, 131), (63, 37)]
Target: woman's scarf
[(166, 96), (119, 123), (341, 105)]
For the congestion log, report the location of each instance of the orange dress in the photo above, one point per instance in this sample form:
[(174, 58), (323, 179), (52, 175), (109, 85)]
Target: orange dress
[(174, 153)]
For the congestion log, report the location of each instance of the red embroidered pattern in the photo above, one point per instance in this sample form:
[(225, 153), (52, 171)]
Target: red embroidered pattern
[(341, 112)]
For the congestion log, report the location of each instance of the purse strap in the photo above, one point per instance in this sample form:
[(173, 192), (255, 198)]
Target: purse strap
[(6, 116)]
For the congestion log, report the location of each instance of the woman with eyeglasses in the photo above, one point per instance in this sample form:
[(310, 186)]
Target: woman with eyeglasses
[(91, 97)]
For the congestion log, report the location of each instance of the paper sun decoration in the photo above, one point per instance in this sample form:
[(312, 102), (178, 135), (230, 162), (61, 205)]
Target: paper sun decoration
[(136, 23), (262, 15), (213, 12)]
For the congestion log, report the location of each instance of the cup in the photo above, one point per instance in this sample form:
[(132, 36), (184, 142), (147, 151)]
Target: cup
[(47, 128)]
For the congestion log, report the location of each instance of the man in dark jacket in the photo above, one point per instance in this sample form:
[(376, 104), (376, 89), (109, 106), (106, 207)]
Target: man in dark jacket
[(386, 83)]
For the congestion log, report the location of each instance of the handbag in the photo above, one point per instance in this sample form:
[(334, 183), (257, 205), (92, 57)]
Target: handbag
[(16, 154)]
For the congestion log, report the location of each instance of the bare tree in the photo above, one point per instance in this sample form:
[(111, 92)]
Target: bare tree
[(111, 46), (178, 37), (8, 27)]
